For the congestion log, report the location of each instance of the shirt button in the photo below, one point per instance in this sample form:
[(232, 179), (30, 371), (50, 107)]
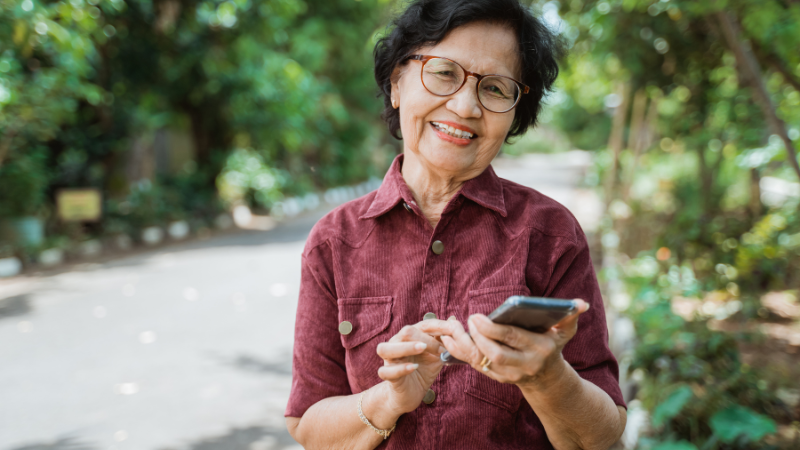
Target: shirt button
[(437, 247), (345, 327), (429, 316), (430, 396), (407, 207)]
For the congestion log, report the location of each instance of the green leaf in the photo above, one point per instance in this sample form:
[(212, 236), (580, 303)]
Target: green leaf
[(730, 423), (680, 445), (670, 407)]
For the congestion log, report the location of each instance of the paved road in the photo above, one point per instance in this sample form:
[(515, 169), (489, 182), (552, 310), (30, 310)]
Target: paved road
[(186, 347)]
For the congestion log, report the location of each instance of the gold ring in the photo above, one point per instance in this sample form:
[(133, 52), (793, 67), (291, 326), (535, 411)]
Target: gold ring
[(485, 363)]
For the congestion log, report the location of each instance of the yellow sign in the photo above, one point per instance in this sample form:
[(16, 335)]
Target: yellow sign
[(79, 205)]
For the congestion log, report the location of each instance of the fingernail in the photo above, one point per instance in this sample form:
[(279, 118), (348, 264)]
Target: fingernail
[(412, 366), (478, 318), (420, 346), (451, 318)]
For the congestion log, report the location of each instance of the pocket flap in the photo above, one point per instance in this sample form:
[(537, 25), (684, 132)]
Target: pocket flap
[(484, 301), (368, 315)]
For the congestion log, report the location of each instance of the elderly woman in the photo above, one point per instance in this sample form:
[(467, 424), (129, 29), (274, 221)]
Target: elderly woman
[(445, 238)]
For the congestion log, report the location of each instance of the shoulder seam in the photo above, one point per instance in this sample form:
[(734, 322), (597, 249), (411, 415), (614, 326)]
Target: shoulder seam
[(531, 226)]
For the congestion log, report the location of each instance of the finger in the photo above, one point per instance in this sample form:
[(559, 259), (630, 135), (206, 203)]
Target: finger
[(435, 327), (397, 371), (455, 350), (507, 334), (396, 350), (461, 343), (455, 327), (411, 333), (570, 323), (498, 354), (450, 344)]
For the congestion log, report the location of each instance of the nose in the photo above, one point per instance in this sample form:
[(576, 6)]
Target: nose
[(465, 101)]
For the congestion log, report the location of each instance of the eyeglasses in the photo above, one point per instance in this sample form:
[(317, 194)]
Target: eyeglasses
[(443, 77)]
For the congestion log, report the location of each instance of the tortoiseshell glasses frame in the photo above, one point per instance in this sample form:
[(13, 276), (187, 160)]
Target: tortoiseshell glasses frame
[(522, 88)]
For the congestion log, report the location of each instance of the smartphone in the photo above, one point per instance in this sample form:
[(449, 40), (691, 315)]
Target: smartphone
[(535, 314)]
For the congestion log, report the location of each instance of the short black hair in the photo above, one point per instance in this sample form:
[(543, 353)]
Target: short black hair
[(427, 22)]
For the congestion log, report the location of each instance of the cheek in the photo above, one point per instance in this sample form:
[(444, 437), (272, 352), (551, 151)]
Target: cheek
[(409, 127), (501, 125), (497, 129), (413, 118)]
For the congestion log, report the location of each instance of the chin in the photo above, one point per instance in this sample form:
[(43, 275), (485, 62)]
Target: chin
[(450, 160)]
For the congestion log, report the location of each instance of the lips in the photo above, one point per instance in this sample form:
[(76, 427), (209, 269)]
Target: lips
[(454, 130)]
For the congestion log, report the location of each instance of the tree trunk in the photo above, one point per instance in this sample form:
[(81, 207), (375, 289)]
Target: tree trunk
[(643, 125), (777, 64), (5, 146), (7, 139), (749, 69), (756, 209), (615, 141), (637, 119)]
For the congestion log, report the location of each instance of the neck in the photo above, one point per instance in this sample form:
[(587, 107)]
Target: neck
[(431, 190)]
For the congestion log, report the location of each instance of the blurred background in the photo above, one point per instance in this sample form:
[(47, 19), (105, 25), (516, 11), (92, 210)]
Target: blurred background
[(162, 161)]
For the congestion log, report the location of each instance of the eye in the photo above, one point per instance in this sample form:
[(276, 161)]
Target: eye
[(495, 91), (442, 73), (442, 69), (498, 88)]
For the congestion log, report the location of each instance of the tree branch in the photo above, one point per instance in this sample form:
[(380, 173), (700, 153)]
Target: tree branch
[(749, 70), (777, 64), (5, 144)]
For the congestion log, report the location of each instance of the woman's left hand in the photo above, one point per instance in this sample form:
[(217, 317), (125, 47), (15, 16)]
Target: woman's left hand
[(517, 356)]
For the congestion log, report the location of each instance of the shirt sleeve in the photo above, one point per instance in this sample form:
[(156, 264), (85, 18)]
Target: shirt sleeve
[(318, 361), (588, 352)]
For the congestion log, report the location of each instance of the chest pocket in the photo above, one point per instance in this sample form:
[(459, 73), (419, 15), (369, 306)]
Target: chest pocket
[(506, 396), (370, 318)]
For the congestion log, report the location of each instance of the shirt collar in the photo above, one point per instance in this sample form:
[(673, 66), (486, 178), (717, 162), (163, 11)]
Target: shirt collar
[(485, 190)]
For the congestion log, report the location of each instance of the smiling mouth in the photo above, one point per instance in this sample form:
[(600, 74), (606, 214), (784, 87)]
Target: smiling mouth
[(454, 132)]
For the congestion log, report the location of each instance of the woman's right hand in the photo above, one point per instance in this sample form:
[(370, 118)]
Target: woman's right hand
[(410, 365)]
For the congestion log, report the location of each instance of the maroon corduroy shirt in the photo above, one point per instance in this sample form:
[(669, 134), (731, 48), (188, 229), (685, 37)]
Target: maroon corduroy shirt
[(370, 262)]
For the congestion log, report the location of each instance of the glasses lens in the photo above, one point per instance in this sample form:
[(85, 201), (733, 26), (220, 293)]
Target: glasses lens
[(442, 77), (498, 94)]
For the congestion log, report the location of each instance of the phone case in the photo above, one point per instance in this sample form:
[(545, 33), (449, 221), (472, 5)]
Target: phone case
[(535, 314)]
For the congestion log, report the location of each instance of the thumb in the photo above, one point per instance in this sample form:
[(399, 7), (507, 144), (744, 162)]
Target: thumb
[(569, 324)]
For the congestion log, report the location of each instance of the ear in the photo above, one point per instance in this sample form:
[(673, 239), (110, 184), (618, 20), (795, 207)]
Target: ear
[(397, 74)]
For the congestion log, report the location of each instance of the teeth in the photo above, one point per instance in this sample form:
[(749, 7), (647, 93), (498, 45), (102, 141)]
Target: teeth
[(455, 132)]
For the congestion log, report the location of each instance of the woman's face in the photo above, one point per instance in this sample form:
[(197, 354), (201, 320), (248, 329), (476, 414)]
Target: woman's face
[(483, 48)]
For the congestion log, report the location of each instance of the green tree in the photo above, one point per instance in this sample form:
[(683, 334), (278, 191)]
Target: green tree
[(690, 106), (290, 80)]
